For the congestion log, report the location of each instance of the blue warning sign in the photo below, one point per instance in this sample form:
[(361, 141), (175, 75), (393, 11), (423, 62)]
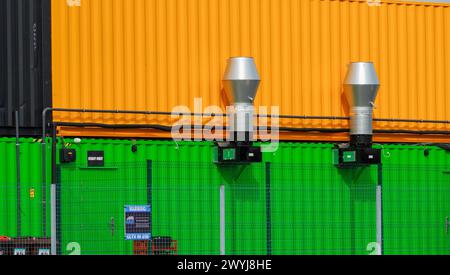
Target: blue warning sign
[(138, 222)]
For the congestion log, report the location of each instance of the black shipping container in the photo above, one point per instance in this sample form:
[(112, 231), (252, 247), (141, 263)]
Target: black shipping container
[(25, 64)]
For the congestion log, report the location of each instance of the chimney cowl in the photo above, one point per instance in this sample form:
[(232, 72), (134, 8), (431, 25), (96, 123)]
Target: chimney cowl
[(241, 82), (361, 86)]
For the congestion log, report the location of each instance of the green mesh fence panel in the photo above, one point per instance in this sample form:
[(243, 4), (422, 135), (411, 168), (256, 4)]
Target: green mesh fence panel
[(294, 202)]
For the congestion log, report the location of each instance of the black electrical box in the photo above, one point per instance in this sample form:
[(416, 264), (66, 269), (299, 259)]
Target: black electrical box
[(96, 158), (67, 155), (350, 157), (369, 156), (237, 154)]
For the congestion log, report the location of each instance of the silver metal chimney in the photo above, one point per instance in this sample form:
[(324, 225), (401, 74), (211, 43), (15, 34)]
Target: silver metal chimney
[(361, 87), (241, 82)]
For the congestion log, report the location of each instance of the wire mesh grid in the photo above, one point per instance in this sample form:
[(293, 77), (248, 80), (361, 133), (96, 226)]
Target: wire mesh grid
[(269, 208), (275, 209), (416, 209), (21, 220)]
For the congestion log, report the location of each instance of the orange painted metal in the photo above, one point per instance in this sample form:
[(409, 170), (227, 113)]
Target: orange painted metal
[(159, 54)]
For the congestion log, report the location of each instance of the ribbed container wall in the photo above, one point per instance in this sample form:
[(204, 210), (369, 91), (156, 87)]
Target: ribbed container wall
[(416, 201), (314, 208), (25, 62), (185, 199), (155, 55), (31, 190), (184, 187), (317, 208)]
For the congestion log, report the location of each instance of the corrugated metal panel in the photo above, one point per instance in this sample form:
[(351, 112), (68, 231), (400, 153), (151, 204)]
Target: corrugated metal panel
[(315, 207), (184, 195), (25, 63), (30, 191), (155, 55), (416, 200), (185, 189)]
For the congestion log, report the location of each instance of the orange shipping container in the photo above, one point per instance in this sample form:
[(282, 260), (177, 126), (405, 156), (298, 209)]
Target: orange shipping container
[(157, 54)]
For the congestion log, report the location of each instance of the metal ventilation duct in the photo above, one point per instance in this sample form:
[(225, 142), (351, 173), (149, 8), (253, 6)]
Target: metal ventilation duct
[(241, 82), (361, 87)]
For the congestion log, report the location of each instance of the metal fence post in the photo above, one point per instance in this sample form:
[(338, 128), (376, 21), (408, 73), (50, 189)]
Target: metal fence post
[(53, 201), (150, 200), (268, 211), (53, 218), (222, 219), (380, 210), (19, 221)]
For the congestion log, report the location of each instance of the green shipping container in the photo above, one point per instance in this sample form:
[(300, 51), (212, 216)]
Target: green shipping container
[(295, 202), (31, 190)]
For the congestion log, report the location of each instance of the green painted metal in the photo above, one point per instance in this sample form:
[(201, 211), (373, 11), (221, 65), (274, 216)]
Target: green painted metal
[(416, 200), (184, 196), (245, 208), (91, 207), (31, 189), (316, 208)]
